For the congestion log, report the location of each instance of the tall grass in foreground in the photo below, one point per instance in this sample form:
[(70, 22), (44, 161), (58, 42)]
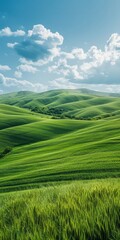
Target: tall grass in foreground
[(75, 211)]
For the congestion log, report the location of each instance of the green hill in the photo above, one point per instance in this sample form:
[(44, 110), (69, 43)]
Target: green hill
[(78, 104), (44, 150), (63, 149)]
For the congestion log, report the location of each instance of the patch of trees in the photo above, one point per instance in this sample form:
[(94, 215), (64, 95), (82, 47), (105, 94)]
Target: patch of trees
[(60, 113), (47, 110)]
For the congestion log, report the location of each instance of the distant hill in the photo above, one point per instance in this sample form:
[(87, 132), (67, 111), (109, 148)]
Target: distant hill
[(77, 104)]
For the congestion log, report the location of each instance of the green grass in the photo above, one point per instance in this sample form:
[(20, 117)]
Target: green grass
[(48, 150), (67, 170), (73, 211)]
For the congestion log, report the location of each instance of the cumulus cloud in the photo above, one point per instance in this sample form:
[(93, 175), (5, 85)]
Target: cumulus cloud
[(7, 32), (18, 74), (4, 68), (69, 71), (76, 53), (27, 68), (78, 65), (40, 44), (45, 35), (114, 42)]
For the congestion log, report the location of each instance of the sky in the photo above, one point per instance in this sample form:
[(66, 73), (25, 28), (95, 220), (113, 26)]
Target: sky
[(52, 44)]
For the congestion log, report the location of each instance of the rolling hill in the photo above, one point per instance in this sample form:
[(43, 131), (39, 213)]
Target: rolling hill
[(44, 149), (78, 104), (59, 166)]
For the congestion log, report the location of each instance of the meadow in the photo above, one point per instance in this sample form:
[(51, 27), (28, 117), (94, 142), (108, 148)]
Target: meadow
[(79, 210), (59, 166)]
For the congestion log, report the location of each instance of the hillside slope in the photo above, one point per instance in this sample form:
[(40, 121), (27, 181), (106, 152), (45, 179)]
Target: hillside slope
[(47, 150), (78, 104), (37, 149)]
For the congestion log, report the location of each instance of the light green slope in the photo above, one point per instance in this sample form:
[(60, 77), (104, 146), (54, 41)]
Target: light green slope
[(91, 151), (79, 210), (45, 150)]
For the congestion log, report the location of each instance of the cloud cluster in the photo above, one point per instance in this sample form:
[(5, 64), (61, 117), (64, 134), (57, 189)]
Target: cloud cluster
[(40, 47), (39, 44), (24, 68), (78, 65)]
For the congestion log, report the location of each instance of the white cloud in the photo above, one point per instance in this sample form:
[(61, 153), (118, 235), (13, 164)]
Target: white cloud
[(27, 68), (69, 71), (18, 74), (40, 46), (79, 53), (4, 68), (114, 42), (7, 32), (79, 65), (88, 69), (45, 34), (11, 45), (62, 83), (96, 55), (76, 53), (12, 84)]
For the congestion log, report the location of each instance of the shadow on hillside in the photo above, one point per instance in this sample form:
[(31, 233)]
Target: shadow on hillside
[(5, 152)]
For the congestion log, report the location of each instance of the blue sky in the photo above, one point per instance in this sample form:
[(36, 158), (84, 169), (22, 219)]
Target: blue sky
[(52, 44)]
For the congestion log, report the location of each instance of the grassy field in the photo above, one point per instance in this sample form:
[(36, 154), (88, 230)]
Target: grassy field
[(69, 147), (46, 150), (86, 210)]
